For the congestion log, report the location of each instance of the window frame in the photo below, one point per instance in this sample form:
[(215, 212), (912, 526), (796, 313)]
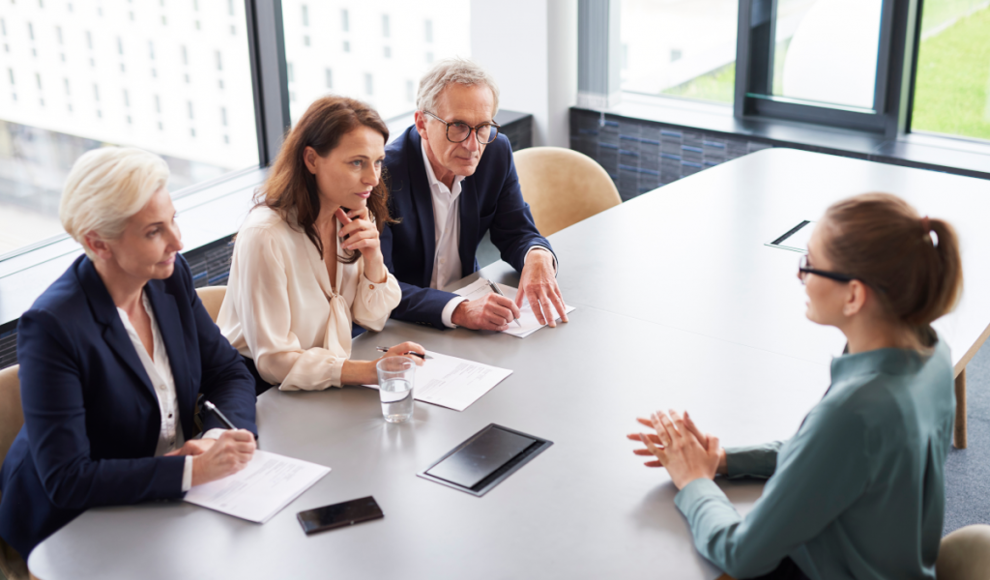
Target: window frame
[(900, 29)]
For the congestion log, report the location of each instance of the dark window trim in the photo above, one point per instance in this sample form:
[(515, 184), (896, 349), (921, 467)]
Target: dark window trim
[(958, 155), (896, 59)]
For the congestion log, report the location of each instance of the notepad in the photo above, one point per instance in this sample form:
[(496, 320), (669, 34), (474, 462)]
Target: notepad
[(528, 324), (259, 491)]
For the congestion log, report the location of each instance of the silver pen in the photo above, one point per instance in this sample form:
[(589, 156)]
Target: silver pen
[(496, 290)]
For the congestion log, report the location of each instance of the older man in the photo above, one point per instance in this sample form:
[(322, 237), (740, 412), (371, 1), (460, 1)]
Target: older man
[(453, 179)]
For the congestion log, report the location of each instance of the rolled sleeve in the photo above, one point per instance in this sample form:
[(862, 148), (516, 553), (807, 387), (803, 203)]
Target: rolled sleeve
[(753, 460)]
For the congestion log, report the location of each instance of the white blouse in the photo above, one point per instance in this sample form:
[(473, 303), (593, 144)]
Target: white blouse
[(159, 369), (281, 310)]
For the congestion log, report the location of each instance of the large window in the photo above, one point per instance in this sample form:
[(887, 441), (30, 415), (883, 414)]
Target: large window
[(952, 87), (825, 51), (681, 48), (167, 76), (372, 50)]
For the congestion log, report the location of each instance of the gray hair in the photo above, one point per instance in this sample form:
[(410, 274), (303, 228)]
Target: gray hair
[(105, 188), (452, 70)]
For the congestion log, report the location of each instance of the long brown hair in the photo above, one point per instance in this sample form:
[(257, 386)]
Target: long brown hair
[(291, 189), (880, 239)]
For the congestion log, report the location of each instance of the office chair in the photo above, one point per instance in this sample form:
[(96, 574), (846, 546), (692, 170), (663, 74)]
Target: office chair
[(11, 419), (212, 298), (965, 554), (563, 187)]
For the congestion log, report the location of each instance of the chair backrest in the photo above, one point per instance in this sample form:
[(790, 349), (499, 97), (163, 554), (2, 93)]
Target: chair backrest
[(965, 554), (563, 187), (11, 414), (212, 298)]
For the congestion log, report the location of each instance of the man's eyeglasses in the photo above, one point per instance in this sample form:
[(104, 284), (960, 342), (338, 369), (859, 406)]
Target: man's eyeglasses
[(458, 132), (804, 270)]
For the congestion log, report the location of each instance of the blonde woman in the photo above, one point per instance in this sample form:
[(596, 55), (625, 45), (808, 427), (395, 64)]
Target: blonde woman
[(113, 356)]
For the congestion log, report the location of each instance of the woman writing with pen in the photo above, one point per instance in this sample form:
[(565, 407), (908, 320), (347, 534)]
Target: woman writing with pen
[(859, 490), (307, 261), (113, 357)]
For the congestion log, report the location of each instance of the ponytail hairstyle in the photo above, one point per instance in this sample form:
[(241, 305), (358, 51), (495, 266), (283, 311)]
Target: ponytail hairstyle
[(912, 261), (291, 189)]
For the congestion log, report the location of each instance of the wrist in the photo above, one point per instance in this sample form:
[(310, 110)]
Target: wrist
[(457, 317), (197, 471)]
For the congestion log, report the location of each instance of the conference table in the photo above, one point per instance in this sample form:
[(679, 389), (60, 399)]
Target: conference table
[(679, 304)]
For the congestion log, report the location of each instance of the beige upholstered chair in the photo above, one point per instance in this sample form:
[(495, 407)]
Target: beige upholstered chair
[(965, 554), (11, 420), (212, 298), (563, 186)]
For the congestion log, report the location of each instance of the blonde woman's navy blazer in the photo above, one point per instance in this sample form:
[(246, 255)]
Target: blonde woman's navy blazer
[(91, 418)]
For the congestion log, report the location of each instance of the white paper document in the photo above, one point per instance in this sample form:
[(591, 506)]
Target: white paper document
[(454, 382), (527, 320), (259, 491)]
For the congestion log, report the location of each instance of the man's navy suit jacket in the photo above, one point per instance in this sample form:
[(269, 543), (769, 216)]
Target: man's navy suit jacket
[(91, 416), (490, 200)]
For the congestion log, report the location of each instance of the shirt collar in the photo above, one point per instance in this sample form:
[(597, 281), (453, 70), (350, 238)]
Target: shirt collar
[(888, 361), (436, 184)]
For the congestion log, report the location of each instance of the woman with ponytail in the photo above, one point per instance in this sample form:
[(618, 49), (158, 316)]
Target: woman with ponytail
[(307, 262), (859, 491)]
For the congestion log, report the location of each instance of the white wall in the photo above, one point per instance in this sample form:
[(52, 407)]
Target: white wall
[(530, 46)]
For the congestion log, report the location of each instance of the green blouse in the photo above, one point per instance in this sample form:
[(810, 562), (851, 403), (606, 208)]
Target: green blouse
[(858, 492)]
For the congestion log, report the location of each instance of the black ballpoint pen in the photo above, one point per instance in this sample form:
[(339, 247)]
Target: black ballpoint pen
[(414, 353), (220, 416)]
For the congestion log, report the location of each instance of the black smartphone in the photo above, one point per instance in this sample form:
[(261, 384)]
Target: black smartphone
[(339, 515)]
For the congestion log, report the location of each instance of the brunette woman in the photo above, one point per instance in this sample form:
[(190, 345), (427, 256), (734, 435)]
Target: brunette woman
[(307, 261)]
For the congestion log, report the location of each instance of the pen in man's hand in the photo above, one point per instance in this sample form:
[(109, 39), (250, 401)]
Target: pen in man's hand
[(496, 290), (412, 352), (220, 416)]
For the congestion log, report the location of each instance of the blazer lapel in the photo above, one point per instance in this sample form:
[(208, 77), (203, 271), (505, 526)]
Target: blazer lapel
[(105, 312), (422, 201), (170, 325), (470, 224)]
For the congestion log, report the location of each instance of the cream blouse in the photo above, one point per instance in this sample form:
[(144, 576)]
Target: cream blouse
[(281, 310)]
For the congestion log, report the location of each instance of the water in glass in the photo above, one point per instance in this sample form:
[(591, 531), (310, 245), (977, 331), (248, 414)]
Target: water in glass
[(397, 400)]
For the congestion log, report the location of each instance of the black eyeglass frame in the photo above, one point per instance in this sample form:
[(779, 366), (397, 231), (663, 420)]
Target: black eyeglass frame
[(804, 269), (474, 130)]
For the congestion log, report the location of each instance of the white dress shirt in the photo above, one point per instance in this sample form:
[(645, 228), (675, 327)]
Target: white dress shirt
[(447, 235), (281, 310), (159, 370)]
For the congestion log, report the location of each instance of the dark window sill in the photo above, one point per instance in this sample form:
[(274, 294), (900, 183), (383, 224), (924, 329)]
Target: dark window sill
[(928, 151)]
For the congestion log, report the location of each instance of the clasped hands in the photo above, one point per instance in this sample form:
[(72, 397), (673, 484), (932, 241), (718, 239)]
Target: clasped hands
[(678, 445), (537, 284)]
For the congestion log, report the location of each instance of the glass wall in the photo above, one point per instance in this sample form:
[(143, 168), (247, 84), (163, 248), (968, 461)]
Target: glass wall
[(167, 76), (372, 50), (681, 48), (952, 84)]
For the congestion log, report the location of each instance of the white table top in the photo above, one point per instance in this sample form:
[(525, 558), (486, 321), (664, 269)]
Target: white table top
[(679, 305)]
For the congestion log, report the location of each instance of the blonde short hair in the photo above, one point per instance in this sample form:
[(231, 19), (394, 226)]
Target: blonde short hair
[(452, 70), (105, 188)]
